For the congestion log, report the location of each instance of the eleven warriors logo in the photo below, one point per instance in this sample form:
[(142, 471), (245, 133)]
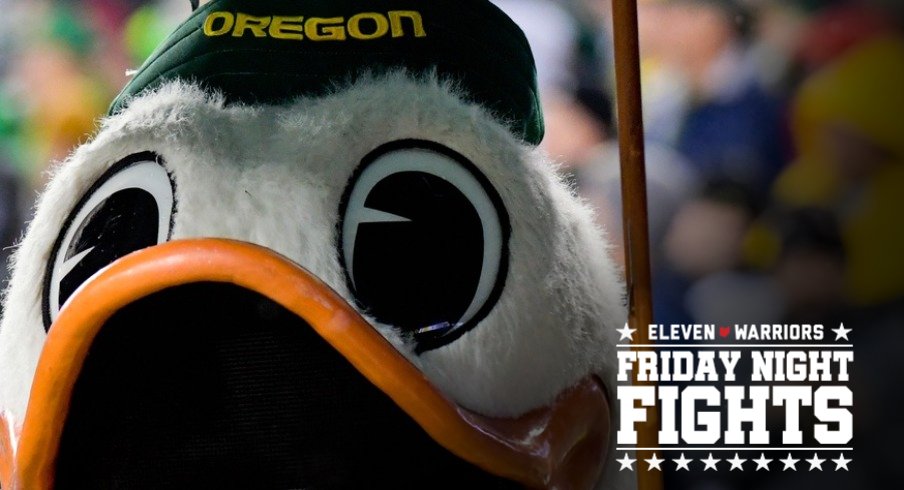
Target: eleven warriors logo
[(737, 398)]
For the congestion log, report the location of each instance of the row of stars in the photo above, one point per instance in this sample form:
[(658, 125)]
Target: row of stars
[(709, 463), (627, 333)]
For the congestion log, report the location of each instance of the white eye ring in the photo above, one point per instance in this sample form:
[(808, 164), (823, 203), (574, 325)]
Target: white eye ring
[(400, 160), (426, 161), (143, 171)]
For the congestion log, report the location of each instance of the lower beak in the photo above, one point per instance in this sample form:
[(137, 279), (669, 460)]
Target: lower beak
[(560, 446)]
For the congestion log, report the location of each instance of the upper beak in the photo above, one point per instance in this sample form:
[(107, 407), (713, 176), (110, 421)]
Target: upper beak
[(559, 446)]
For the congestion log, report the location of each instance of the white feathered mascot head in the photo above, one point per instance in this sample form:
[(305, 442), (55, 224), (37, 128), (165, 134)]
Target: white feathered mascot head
[(314, 246)]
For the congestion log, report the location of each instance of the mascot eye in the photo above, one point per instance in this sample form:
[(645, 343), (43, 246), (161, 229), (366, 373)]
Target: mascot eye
[(127, 209), (424, 241)]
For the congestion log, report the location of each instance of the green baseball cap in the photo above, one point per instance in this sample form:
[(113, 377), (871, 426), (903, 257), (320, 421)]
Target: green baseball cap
[(272, 51)]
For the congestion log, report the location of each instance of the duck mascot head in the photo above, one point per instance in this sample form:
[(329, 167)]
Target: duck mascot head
[(314, 246)]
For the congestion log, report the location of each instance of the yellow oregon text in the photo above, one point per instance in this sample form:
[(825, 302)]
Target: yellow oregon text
[(364, 26)]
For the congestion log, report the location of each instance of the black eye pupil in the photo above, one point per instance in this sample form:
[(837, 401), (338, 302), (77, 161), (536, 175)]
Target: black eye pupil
[(423, 241), (423, 272), (123, 223), (128, 208)]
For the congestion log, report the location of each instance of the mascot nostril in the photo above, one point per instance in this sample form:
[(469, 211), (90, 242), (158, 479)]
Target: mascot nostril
[(314, 245)]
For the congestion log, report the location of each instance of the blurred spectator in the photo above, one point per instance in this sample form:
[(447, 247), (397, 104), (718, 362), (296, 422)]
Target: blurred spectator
[(775, 32), (670, 181), (571, 76), (810, 267), (578, 109), (732, 127), (707, 234), (702, 89), (702, 277), (577, 123), (836, 29), (61, 62), (552, 33), (850, 147), (61, 100), (851, 160)]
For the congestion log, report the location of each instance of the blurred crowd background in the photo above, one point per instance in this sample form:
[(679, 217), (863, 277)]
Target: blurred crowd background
[(775, 155)]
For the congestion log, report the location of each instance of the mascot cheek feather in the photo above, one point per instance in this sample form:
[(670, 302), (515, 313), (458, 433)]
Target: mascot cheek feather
[(314, 240)]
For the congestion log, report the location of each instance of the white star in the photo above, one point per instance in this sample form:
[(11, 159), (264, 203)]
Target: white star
[(654, 462), (762, 463), (841, 332), (790, 463), (815, 462), (710, 462), (736, 463), (682, 462), (841, 462), (626, 463), (626, 333)]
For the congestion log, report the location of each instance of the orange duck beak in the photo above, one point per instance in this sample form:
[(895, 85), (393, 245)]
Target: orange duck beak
[(213, 360)]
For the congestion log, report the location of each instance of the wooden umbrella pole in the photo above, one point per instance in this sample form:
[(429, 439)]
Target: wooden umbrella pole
[(634, 203)]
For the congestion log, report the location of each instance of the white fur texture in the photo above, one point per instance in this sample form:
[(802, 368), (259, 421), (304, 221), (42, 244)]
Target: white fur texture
[(274, 176)]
